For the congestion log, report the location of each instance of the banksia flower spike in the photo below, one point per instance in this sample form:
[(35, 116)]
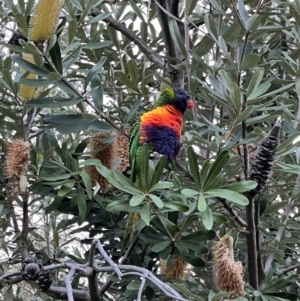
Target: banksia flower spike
[(229, 273), (17, 159), (44, 20), (179, 270), (114, 155), (264, 158), (28, 92)]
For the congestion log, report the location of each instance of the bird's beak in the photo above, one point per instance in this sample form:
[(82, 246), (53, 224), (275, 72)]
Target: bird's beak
[(191, 104)]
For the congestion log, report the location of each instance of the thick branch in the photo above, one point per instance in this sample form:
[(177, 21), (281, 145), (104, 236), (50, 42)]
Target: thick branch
[(60, 293), (148, 51)]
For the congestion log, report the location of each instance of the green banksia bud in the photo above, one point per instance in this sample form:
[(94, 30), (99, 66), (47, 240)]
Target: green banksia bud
[(264, 158), (28, 92), (44, 20)]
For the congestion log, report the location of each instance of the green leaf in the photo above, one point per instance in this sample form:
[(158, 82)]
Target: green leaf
[(158, 170), (176, 205), (244, 115), (189, 192), (133, 71), (127, 82), (81, 203), (255, 80), (201, 203), (194, 167), (207, 218), (160, 246), (87, 183), (136, 200), (210, 26), (204, 46), (161, 185), (66, 188), (261, 89), (241, 186), (118, 206), (144, 183), (282, 283), (224, 77), (56, 57), (29, 66), (243, 12), (176, 36), (231, 196), (52, 102), (216, 168), (250, 61), (97, 92), (93, 71), (137, 10), (97, 45), (157, 201), (118, 180), (197, 236), (72, 29), (253, 22), (146, 214), (235, 96)]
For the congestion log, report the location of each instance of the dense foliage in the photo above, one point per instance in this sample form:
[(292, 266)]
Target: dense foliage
[(99, 72)]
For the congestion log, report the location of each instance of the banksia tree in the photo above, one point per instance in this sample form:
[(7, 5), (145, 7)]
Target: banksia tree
[(28, 92), (264, 158), (180, 269), (44, 20), (113, 155), (229, 273), (17, 159)]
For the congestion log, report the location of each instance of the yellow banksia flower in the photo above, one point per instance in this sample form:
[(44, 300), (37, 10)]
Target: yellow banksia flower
[(229, 273), (111, 155), (179, 270), (28, 92), (44, 20)]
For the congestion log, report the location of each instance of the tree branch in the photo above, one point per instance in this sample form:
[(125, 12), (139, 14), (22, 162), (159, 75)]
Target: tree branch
[(148, 51)]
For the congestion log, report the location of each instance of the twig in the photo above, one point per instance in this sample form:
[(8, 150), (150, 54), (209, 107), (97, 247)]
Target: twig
[(107, 258), (25, 228), (140, 292), (289, 269), (92, 280), (69, 285), (233, 213)]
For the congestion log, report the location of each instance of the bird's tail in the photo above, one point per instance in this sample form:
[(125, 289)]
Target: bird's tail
[(129, 230)]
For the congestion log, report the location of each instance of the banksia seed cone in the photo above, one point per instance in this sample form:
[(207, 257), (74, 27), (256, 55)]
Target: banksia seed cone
[(264, 158), (108, 155), (180, 269), (228, 272), (28, 92), (44, 20)]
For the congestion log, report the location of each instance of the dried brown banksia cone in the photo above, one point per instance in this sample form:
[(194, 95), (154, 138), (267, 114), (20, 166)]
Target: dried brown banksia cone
[(229, 273), (28, 92), (264, 158), (179, 270), (113, 155), (17, 159), (44, 20)]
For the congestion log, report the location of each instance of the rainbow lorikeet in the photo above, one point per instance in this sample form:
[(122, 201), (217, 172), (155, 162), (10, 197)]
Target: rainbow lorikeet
[(161, 129)]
